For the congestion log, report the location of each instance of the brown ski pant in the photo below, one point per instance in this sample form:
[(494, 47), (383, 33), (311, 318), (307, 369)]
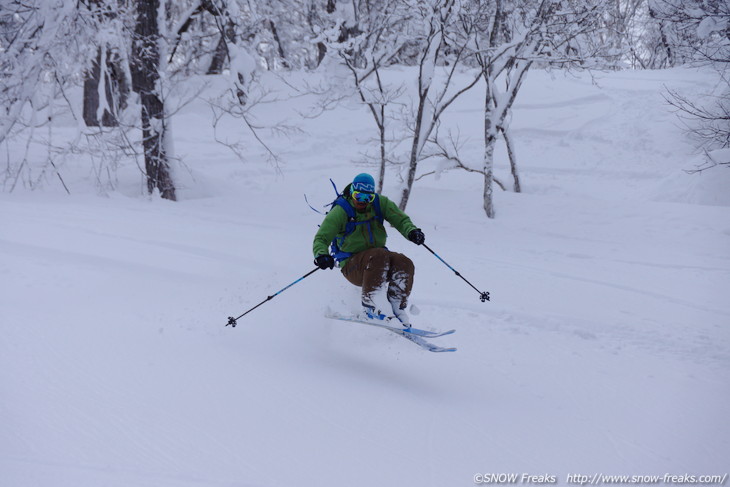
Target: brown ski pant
[(372, 269)]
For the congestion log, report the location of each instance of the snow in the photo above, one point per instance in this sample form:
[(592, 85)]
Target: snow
[(242, 64), (604, 348), (710, 24)]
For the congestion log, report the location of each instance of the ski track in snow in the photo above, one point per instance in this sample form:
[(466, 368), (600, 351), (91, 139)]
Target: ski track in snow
[(604, 348)]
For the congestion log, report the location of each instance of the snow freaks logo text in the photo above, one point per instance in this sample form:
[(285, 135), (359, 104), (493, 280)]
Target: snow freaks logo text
[(601, 480), (514, 478)]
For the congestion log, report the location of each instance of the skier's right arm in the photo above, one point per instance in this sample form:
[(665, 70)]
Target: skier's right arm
[(332, 224)]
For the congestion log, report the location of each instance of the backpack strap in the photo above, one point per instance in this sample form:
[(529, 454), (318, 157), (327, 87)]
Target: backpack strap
[(342, 202), (335, 251), (376, 207)]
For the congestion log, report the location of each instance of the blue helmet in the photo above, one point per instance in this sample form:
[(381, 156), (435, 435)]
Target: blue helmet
[(363, 182)]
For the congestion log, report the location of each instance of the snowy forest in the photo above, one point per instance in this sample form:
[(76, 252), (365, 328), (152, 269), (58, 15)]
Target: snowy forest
[(134, 60), (567, 160)]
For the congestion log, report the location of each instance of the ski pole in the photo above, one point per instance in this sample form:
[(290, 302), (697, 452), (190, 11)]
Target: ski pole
[(233, 321), (483, 295)]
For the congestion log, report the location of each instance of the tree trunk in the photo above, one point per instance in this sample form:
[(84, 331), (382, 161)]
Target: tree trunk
[(279, 48), (221, 53), (321, 53), (427, 64), (219, 57), (115, 90), (512, 160), (381, 129), (490, 138), (105, 83), (665, 42), (415, 153), (146, 82), (312, 19), (91, 92)]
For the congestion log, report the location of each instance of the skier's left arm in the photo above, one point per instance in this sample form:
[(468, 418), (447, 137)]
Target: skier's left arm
[(400, 221)]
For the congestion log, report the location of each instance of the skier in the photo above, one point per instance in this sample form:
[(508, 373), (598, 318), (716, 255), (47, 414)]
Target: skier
[(354, 229)]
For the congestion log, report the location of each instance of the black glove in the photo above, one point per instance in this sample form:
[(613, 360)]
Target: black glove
[(416, 236), (324, 261)]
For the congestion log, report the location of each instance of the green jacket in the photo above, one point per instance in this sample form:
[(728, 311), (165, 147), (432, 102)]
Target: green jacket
[(359, 240)]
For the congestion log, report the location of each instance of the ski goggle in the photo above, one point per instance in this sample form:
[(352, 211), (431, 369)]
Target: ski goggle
[(362, 197)]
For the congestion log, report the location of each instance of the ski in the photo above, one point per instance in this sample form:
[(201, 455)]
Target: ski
[(412, 334), (423, 343), (410, 331)]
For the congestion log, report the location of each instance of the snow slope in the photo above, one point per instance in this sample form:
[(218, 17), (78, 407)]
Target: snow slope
[(604, 349)]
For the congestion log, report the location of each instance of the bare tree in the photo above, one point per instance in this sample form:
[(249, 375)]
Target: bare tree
[(436, 18), (702, 38), (366, 47), (506, 45), (42, 46), (511, 37)]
